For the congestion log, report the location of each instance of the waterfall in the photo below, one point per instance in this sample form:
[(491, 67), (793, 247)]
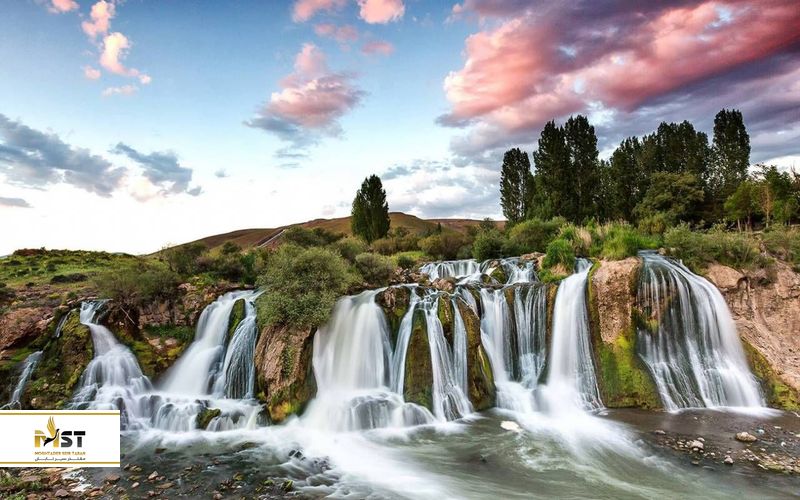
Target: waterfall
[(113, 378), (571, 379), (237, 378), (530, 318), (451, 269), (24, 376), (691, 346)]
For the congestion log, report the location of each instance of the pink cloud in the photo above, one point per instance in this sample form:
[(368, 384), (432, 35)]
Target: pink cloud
[(377, 47), (61, 6), (101, 14), (115, 49), (311, 101), (91, 73), (342, 34), (122, 90), (381, 11), (304, 10), (533, 66)]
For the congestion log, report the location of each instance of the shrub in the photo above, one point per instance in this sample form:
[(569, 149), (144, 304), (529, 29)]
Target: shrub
[(654, 224), (533, 235), (697, 249), (384, 246), (783, 243), (578, 237), (406, 260), (488, 245), (559, 252), (303, 237), (350, 247), (184, 259), (302, 285), (375, 269), (444, 245), (137, 285), (623, 241)]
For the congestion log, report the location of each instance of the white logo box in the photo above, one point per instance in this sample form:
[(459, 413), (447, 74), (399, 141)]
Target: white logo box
[(59, 438)]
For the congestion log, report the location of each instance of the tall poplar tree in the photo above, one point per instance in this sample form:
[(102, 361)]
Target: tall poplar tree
[(584, 166), (370, 214), (516, 185), (730, 153)]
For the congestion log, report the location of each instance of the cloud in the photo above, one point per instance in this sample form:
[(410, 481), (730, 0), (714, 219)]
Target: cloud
[(378, 47), (527, 66), (121, 90), (304, 10), (62, 6), (101, 14), (91, 73), (381, 11), (14, 203), (35, 159), (221, 173), (162, 169), (342, 34), (310, 103), (115, 49), (433, 189)]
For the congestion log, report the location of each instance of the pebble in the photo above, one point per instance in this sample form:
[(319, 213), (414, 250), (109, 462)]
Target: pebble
[(153, 475), (112, 478), (729, 460), (164, 486), (659, 432), (745, 437), (697, 445), (135, 485), (62, 493)]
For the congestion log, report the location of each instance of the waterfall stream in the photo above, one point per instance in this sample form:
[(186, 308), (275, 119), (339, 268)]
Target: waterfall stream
[(28, 366), (693, 350)]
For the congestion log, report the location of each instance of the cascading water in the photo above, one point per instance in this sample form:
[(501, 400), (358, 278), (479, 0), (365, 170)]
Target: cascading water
[(237, 378), (571, 380), (28, 366), (113, 378), (692, 348), (451, 269)]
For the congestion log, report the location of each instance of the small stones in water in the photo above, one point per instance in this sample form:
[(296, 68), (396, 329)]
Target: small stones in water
[(164, 486), (728, 460), (153, 476), (745, 437), (112, 478), (135, 485), (697, 445), (510, 426), (659, 432)]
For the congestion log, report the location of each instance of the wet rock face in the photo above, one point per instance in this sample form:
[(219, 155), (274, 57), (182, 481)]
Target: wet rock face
[(284, 369), (418, 383), (622, 377), (767, 316), (481, 390)]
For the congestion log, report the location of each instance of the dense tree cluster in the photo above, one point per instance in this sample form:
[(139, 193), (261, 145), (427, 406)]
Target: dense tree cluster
[(658, 180), (370, 214)]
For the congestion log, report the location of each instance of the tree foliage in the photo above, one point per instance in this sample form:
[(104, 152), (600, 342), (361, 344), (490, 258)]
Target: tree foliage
[(370, 214), (516, 185)]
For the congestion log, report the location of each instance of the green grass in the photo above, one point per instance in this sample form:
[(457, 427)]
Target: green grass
[(63, 269)]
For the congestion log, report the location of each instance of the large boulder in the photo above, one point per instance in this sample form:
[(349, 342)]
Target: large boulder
[(480, 379), (767, 318), (418, 381), (284, 369), (622, 377), (19, 327)]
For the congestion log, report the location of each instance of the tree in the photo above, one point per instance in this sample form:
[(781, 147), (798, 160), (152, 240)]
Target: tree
[(730, 154), (370, 214), (627, 178), (743, 204), (583, 164), (552, 176), (671, 194), (516, 185)]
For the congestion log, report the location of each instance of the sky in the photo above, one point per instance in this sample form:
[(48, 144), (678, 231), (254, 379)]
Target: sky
[(129, 125)]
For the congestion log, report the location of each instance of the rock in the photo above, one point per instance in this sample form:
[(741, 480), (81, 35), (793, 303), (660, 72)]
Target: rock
[(20, 326), (659, 432), (746, 437), (160, 450), (725, 278), (728, 460), (510, 426), (135, 485), (206, 416), (112, 478), (62, 493), (444, 284), (697, 445), (164, 486), (153, 476)]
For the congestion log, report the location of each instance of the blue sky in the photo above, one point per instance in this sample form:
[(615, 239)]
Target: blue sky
[(250, 114)]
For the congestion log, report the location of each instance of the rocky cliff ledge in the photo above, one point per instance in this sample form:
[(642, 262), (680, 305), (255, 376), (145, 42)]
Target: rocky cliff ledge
[(766, 308)]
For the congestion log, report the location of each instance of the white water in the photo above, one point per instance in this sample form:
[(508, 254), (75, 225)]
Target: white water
[(470, 271), (237, 379), (113, 378), (571, 380), (695, 354), (28, 366), (451, 269)]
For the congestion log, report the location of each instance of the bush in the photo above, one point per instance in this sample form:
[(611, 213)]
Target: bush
[(303, 237), (350, 247), (579, 238), (384, 246), (406, 260), (697, 249), (138, 285), (559, 253), (533, 235), (654, 224), (784, 243), (184, 259), (444, 245), (623, 241), (302, 285), (375, 269), (488, 245)]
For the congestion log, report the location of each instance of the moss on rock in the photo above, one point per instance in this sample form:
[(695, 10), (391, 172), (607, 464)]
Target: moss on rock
[(418, 382), (777, 393), (206, 416), (63, 361), (480, 379), (622, 377), (237, 315), (394, 301)]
